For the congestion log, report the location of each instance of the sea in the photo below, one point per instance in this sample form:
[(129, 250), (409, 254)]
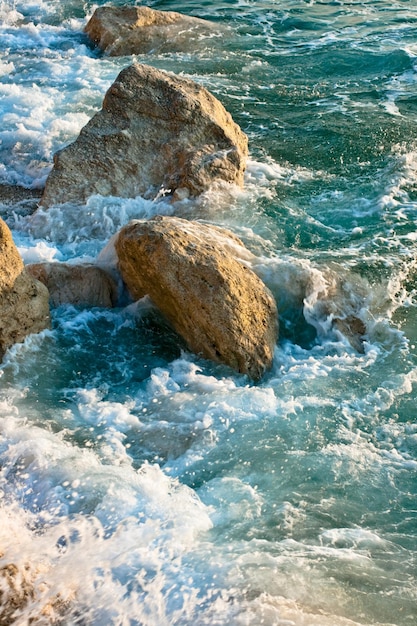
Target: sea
[(141, 485)]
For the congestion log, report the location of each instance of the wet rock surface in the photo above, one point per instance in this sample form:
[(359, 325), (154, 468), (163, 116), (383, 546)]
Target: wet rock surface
[(218, 305), (80, 285), (157, 134), (119, 31), (24, 301)]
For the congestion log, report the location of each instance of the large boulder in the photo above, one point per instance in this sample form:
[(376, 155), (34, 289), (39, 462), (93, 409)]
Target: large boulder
[(139, 30), (81, 285), (156, 134), (217, 304), (24, 306)]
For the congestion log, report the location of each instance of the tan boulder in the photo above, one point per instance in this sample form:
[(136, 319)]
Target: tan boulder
[(219, 306), (24, 307), (139, 30), (80, 285), (156, 134)]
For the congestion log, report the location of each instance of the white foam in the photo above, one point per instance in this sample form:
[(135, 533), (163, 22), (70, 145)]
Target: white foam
[(357, 538), (275, 610), (121, 540), (45, 103), (390, 106), (263, 173), (232, 501), (400, 175), (40, 251), (80, 230), (6, 68), (122, 521), (8, 13)]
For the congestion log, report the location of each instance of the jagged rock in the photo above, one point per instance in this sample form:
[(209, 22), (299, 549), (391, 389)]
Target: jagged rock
[(138, 30), (156, 134), (24, 307), (80, 285), (216, 303)]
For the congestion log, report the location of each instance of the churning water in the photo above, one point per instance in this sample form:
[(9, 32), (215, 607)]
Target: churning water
[(141, 485)]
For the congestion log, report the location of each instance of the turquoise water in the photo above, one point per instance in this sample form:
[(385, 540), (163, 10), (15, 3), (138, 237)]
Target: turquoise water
[(142, 485)]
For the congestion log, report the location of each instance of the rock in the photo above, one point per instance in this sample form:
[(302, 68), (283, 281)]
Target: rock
[(26, 599), (328, 299), (354, 329), (139, 30), (15, 592), (156, 134), (24, 307), (216, 303), (17, 200), (12, 194), (80, 285)]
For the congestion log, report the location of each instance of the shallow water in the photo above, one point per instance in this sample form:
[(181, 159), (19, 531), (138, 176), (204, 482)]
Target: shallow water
[(142, 485)]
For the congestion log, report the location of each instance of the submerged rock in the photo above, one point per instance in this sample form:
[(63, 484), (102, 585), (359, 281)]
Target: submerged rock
[(17, 200), (354, 329), (156, 134), (15, 592), (217, 304), (26, 599), (24, 301), (80, 285), (12, 194), (137, 30)]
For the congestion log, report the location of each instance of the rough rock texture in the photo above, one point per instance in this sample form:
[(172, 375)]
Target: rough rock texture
[(15, 199), (156, 134), (353, 329), (25, 598), (217, 304), (15, 592), (24, 307), (80, 285), (138, 30), (12, 194)]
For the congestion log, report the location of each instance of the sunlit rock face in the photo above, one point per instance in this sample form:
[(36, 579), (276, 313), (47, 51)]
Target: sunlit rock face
[(219, 306), (156, 134), (24, 301)]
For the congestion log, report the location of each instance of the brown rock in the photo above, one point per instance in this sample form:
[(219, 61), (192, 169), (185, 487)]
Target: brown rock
[(156, 134), (26, 599), (80, 285), (216, 303), (354, 329), (24, 307), (15, 592), (139, 30)]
